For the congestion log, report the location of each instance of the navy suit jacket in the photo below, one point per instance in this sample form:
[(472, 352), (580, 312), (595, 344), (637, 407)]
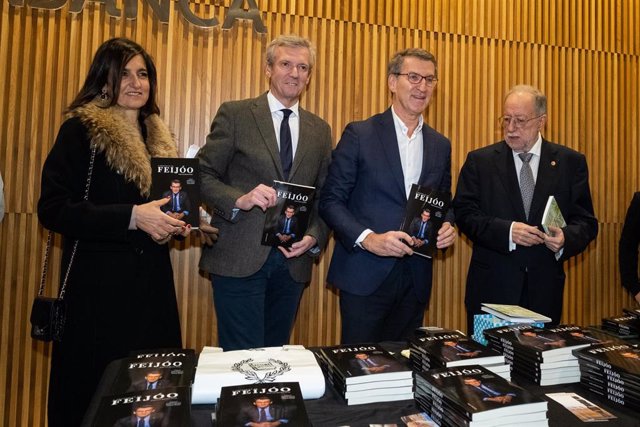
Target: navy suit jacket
[(365, 189), (488, 200)]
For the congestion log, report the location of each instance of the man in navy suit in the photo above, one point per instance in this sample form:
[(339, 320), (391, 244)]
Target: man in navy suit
[(179, 206), (420, 229), (383, 289), (513, 260), (287, 226)]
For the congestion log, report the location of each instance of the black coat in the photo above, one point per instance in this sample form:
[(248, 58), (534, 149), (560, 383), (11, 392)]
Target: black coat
[(120, 293), (488, 200), (628, 247)]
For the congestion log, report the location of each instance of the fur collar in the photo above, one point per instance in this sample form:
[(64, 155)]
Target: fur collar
[(125, 150)]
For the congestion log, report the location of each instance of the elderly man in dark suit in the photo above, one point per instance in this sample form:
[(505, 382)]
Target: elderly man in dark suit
[(501, 195), (253, 142), (383, 289)]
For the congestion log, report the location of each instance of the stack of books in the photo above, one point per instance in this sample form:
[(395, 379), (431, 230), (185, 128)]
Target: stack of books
[(444, 348), (627, 326), (268, 403), (612, 370), (476, 397), (543, 356), (366, 373), (154, 386)]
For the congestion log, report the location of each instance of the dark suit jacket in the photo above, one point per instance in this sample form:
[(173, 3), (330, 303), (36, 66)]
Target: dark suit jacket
[(365, 189), (628, 247), (488, 200), (414, 229), (242, 152), (155, 420), (183, 199), (250, 413), (142, 384), (293, 226)]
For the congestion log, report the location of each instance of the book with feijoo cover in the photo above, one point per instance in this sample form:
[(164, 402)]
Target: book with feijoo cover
[(364, 363), (476, 394), (460, 352), (424, 215), (167, 407), (154, 373), (612, 371), (287, 221), (552, 216), (514, 313), (546, 344), (177, 179), (242, 405), (582, 408)]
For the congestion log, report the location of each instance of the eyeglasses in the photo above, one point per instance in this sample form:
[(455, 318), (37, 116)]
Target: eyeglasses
[(288, 66), (416, 79), (518, 122)]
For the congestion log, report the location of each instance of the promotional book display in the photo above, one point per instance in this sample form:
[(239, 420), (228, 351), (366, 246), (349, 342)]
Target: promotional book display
[(277, 402), (624, 326), (150, 385), (425, 213), (169, 406), (366, 373), (476, 397), (612, 370), (449, 348), (154, 370), (289, 363), (582, 408), (179, 180), (543, 356), (287, 221)]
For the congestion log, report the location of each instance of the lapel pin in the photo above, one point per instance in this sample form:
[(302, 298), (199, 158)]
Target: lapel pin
[(553, 163)]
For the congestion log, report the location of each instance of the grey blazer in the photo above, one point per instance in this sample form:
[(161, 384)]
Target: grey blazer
[(241, 152)]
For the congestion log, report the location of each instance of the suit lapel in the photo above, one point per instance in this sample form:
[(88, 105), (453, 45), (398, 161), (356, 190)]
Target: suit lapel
[(264, 122), (387, 138), (305, 135), (545, 181), (506, 168)]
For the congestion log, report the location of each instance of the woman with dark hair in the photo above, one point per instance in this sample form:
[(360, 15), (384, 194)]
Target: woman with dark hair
[(120, 293), (628, 248)]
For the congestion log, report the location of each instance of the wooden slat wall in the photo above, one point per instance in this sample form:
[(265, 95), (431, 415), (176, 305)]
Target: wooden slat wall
[(583, 53)]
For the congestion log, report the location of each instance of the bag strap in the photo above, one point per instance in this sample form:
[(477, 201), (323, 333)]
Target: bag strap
[(45, 263)]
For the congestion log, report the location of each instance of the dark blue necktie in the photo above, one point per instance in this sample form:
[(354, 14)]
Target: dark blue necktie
[(422, 227), (263, 416), (286, 149), (140, 422), (286, 226)]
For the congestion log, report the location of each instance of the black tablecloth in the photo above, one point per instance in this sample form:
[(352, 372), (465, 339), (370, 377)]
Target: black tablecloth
[(332, 411)]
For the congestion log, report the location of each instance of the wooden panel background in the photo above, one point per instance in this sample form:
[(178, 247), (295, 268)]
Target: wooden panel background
[(582, 53)]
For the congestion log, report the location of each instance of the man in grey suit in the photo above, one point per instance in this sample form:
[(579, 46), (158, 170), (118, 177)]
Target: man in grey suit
[(253, 142)]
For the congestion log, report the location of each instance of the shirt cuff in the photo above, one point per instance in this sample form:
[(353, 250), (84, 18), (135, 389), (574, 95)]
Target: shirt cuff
[(132, 220), (362, 236), (512, 246)]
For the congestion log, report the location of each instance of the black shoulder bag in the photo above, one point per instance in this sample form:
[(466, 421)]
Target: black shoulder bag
[(48, 315)]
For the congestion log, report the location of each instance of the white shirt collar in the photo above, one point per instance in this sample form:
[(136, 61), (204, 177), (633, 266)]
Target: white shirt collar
[(400, 124), (275, 105)]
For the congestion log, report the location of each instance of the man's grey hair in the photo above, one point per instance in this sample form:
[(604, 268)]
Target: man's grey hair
[(396, 61), (290, 40), (539, 98)]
